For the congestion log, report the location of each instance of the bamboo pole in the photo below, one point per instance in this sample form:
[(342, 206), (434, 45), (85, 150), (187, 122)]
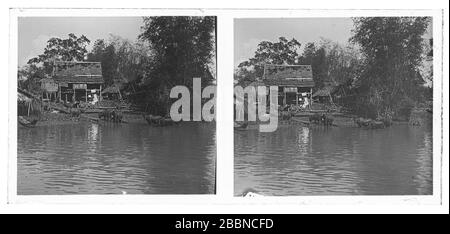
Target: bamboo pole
[(120, 95)]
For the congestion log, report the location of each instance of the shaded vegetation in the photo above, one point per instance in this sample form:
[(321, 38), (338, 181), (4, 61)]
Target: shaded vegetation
[(376, 75)]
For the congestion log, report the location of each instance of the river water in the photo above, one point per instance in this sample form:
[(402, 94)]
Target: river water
[(107, 158), (297, 160)]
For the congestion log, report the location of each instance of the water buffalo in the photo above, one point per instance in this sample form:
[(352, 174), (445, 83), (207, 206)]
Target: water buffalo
[(156, 120), (386, 121), (286, 115), (377, 124), (75, 112), (327, 120), (361, 122), (114, 116), (316, 118), (117, 116), (106, 115)]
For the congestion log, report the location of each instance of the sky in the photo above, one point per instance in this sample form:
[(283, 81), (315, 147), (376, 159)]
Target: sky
[(249, 32), (34, 32)]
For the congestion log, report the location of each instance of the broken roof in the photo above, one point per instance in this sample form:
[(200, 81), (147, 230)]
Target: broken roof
[(287, 71), (288, 75), (294, 83), (325, 91), (111, 89), (78, 72)]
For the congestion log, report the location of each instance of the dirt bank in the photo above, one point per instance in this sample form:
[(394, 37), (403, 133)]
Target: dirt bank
[(56, 118)]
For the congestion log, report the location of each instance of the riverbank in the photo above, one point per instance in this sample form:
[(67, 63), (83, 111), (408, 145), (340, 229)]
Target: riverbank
[(418, 118), (57, 118)]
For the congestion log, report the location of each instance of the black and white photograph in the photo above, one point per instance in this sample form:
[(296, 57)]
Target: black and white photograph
[(247, 111), (351, 106), (97, 105)]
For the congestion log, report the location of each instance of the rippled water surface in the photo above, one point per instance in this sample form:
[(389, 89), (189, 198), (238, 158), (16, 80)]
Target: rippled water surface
[(89, 158), (296, 160)]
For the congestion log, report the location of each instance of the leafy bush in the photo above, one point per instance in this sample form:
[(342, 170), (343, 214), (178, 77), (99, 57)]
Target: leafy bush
[(405, 108)]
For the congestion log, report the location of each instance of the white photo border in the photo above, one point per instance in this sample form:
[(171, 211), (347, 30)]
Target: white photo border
[(224, 201)]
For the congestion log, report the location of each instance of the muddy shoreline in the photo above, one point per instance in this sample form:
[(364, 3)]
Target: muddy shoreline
[(56, 118), (340, 120)]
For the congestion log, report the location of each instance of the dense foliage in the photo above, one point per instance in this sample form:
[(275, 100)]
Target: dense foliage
[(72, 48), (170, 51), (122, 60), (330, 61), (282, 52), (183, 48), (389, 80), (378, 74)]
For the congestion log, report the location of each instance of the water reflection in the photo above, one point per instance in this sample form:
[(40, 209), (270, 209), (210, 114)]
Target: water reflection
[(88, 158), (296, 160)]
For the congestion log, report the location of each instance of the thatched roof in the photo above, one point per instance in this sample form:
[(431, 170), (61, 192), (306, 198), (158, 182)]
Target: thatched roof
[(111, 89), (46, 80), (287, 71), (288, 75), (257, 83), (23, 98), (79, 72), (325, 91), (293, 83), (26, 94)]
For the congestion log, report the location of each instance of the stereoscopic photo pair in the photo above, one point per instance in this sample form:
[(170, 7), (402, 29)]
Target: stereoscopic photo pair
[(322, 106)]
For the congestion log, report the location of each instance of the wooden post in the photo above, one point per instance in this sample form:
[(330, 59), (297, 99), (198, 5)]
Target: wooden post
[(120, 95), (284, 99), (29, 106), (100, 96)]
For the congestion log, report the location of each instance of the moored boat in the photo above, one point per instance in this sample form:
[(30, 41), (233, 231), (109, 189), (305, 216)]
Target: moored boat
[(25, 122)]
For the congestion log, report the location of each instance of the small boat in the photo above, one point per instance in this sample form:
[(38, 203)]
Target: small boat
[(27, 123), (160, 121), (251, 193), (240, 126)]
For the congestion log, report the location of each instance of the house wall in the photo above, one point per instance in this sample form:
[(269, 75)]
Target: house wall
[(79, 92), (294, 95)]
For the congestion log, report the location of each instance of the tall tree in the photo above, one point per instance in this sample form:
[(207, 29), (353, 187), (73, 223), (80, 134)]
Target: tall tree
[(101, 52), (71, 49), (122, 60), (28, 78), (343, 62), (392, 47), (183, 46), (134, 59), (316, 57), (282, 52)]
